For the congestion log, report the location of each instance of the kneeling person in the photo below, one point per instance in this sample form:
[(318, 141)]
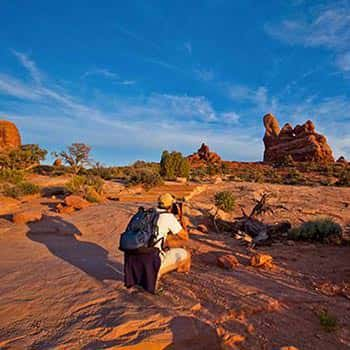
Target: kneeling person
[(149, 251), (171, 258)]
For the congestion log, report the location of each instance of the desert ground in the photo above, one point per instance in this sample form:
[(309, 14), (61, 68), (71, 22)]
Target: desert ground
[(61, 279)]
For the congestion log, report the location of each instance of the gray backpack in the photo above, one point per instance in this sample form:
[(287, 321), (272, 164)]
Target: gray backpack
[(141, 232)]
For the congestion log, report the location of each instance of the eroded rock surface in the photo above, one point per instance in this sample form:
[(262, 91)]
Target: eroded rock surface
[(9, 135), (301, 143), (204, 155)]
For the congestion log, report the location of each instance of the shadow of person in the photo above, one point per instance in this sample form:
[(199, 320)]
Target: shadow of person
[(59, 236), (192, 333)]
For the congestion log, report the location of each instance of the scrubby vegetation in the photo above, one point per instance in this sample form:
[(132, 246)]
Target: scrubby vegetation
[(13, 184), (20, 189), (225, 201), (76, 156), (328, 322), (145, 177), (23, 158), (173, 165), (89, 187), (321, 230)]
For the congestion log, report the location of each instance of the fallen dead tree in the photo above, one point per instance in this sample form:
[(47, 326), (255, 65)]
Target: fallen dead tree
[(256, 229)]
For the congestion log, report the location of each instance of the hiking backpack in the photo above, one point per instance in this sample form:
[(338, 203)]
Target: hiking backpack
[(141, 232)]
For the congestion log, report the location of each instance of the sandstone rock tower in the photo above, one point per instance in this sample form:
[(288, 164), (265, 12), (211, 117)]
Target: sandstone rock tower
[(9, 135), (301, 143), (204, 156)]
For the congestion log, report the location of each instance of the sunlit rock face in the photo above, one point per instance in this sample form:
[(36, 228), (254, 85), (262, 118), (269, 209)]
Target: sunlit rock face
[(301, 143), (9, 135)]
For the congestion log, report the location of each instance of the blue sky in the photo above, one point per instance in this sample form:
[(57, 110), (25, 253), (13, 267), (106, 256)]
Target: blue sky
[(132, 78)]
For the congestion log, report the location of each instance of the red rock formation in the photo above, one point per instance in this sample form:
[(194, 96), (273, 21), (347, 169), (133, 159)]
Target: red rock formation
[(203, 156), (9, 135), (301, 143), (57, 162)]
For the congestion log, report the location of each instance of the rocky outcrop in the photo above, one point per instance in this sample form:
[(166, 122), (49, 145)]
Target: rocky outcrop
[(228, 262), (26, 216), (300, 144), (9, 135), (57, 162), (204, 156)]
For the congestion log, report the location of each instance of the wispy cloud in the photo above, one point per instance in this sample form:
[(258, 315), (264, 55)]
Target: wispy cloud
[(204, 74), (29, 65), (101, 72), (155, 121), (138, 37), (328, 27), (16, 88), (343, 61)]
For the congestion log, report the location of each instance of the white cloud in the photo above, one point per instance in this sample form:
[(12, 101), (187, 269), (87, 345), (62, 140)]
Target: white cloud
[(151, 122), (15, 88), (102, 72), (328, 27)]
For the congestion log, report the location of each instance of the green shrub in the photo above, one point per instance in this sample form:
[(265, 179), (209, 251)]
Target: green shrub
[(20, 189), (321, 230), (11, 176), (344, 178), (328, 322), (24, 157), (294, 177), (173, 165), (145, 177), (225, 201), (286, 161), (82, 185)]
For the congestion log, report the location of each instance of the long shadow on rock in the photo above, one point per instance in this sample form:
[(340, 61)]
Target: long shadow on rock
[(59, 236), (192, 333)]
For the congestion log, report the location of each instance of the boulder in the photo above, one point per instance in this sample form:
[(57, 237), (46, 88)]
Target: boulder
[(301, 144), (76, 202), (62, 209), (9, 135), (261, 260), (228, 262), (26, 216)]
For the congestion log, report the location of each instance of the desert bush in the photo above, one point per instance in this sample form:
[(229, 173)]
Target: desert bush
[(328, 322), (285, 162), (76, 156), (24, 157), (20, 189), (145, 177), (106, 173), (173, 165), (49, 170), (85, 185), (294, 177), (250, 175), (11, 176), (225, 201), (198, 174), (321, 230), (344, 178), (213, 169)]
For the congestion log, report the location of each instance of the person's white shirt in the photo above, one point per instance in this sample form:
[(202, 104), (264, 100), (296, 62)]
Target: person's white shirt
[(167, 223)]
